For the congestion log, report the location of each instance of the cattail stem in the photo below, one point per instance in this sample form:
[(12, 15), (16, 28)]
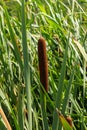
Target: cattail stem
[(43, 68), (5, 119)]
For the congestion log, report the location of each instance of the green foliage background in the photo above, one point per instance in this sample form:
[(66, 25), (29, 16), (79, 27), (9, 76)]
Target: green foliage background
[(60, 23)]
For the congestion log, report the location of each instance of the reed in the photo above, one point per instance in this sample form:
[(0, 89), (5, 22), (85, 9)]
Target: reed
[(26, 67), (43, 68), (43, 63), (5, 119)]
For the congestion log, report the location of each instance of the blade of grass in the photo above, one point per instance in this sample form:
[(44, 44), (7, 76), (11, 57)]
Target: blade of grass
[(60, 89), (65, 124), (78, 110), (26, 67), (50, 8), (20, 110), (36, 119), (2, 126), (43, 107), (67, 94), (4, 100), (5, 119), (84, 86), (81, 49)]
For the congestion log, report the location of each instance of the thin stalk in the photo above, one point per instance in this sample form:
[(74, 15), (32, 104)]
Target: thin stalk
[(73, 6), (43, 109), (26, 67), (84, 77), (20, 110), (6, 102), (67, 95), (5, 119), (67, 92)]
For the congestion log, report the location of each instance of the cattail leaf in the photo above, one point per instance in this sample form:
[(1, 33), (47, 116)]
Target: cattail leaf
[(64, 122), (60, 88), (27, 72), (10, 109), (5, 120)]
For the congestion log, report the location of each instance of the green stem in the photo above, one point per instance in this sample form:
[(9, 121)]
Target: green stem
[(60, 89), (26, 67), (20, 110), (43, 108)]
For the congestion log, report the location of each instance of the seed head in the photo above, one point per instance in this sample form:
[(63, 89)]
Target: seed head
[(43, 62)]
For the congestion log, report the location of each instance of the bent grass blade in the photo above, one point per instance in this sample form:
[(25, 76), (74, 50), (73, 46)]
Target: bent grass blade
[(64, 122)]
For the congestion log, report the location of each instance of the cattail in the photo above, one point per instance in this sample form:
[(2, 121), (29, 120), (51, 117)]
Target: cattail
[(43, 63)]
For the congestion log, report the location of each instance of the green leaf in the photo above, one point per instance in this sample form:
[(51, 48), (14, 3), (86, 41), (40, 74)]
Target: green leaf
[(2, 126), (60, 88), (13, 37), (64, 122), (81, 49), (27, 69)]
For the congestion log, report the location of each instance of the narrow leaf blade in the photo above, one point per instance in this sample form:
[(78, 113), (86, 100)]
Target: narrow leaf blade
[(64, 122)]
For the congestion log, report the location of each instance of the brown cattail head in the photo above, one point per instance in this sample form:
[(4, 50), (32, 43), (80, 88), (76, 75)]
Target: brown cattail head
[(43, 63), (69, 120)]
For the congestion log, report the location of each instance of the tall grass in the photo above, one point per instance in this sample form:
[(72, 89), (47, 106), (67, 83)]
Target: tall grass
[(26, 67), (60, 89), (63, 25)]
